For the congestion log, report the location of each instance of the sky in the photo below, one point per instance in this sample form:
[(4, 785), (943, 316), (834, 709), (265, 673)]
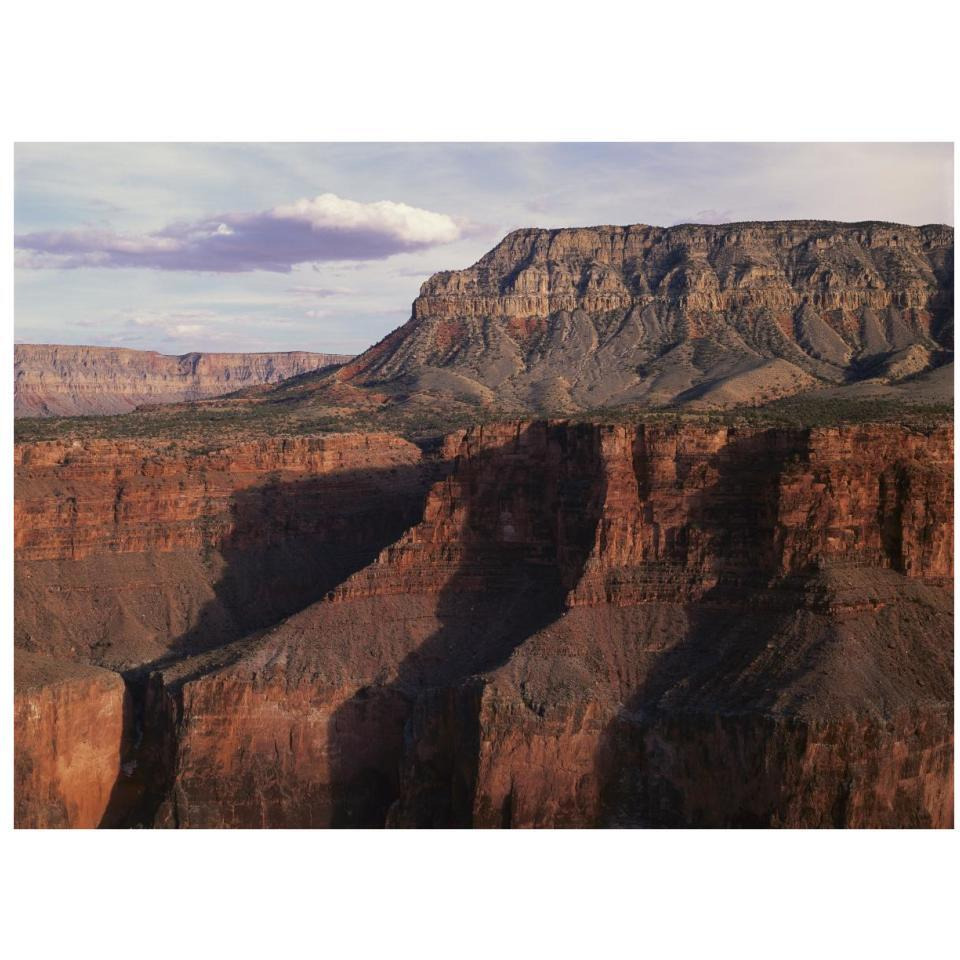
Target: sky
[(323, 246)]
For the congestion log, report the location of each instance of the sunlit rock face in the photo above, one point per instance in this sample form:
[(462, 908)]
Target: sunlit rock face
[(574, 319), (70, 722), (65, 381)]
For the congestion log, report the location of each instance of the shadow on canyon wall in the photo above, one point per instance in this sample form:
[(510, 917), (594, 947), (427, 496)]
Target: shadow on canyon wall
[(713, 735), (288, 545), (417, 765), (405, 752), (702, 679), (689, 745)]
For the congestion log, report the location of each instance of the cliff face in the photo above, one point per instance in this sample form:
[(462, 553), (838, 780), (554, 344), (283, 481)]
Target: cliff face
[(575, 625), (603, 625), (130, 556), (126, 551), (69, 721), (76, 499), (709, 315), (536, 624), (57, 380)]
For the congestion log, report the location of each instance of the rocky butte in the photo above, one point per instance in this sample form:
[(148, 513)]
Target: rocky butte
[(58, 380), (575, 319), (539, 622)]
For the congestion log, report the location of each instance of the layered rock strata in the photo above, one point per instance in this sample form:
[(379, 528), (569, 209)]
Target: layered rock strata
[(574, 319), (127, 552), (61, 380), (130, 555), (643, 626), (70, 722)]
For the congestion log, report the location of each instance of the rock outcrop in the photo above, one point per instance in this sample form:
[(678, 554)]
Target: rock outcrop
[(133, 555), (127, 551), (75, 499), (632, 625), (69, 722), (573, 319), (59, 380)]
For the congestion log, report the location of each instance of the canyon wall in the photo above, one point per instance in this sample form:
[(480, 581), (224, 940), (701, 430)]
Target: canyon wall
[(127, 551), (65, 381), (75, 499), (537, 624), (69, 722), (624, 626), (542, 623), (130, 555)]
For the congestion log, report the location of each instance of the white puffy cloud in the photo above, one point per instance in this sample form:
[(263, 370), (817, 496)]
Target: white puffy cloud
[(406, 224)]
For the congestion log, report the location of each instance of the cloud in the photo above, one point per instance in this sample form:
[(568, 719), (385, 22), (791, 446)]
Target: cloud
[(327, 227), (320, 292), (182, 330), (170, 325), (710, 215), (416, 273)]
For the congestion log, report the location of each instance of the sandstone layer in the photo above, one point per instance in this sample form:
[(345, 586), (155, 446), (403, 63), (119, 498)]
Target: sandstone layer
[(583, 625), (59, 380), (710, 316), (132, 555), (127, 551), (70, 722)]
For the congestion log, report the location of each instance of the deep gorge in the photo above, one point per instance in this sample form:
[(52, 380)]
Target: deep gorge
[(531, 624)]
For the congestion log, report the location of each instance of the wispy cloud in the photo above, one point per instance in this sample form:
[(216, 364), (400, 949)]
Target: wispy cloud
[(135, 325), (710, 215), (327, 227), (320, 292), (417, 273), (180, 331)]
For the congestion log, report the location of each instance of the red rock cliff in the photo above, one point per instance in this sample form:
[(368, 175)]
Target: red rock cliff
[(579, 612), (69, 723), (129, 554), (78, 499), (125, 551)]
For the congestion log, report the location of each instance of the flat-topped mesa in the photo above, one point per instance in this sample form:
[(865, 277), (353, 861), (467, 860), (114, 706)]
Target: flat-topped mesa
[(585, 317), (778, 264), (63, 380)]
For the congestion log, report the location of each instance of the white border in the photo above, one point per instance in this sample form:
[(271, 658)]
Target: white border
[(498, 70)]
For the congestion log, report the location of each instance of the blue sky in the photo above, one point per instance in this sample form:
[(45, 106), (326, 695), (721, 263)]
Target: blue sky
[(178, 247)]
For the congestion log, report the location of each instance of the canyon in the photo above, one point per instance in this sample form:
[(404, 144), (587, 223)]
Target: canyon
[(625, 527), (58, 380), (541, 623)]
